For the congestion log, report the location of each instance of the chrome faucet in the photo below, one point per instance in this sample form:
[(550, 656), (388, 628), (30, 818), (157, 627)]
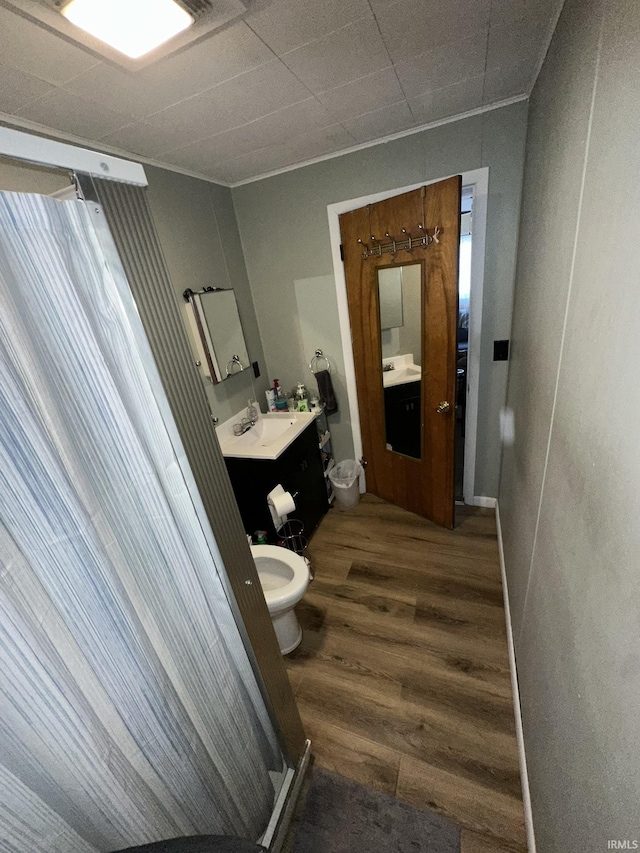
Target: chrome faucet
[(244, 426), (387, 367)]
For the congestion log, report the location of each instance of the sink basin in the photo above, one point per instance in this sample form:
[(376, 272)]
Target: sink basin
[(265, 432), (399, 376), (270, 437)]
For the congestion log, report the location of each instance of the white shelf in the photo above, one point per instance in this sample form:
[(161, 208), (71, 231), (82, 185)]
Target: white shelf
[(325, 439)]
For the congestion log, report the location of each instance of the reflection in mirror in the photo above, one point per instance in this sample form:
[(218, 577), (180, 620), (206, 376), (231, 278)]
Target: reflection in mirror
[(217, 329), (400, 302)]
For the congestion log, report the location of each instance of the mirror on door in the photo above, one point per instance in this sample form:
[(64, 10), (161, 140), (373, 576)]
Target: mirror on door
[(400, 306)]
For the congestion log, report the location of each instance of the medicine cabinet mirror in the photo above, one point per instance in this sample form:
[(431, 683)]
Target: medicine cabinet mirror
[(217, 333), (400, 308)]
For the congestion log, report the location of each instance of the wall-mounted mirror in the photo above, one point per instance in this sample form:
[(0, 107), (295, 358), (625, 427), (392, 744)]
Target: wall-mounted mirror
[(400, 305), (217, 332)]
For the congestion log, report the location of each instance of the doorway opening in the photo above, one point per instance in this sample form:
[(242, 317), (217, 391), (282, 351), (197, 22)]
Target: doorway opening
[(475, 185)]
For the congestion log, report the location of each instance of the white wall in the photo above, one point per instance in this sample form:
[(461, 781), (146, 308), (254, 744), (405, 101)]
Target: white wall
[(285, 236), (569, 496)]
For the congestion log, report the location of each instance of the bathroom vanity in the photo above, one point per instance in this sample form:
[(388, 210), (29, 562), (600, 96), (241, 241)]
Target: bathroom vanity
[(283, 448)]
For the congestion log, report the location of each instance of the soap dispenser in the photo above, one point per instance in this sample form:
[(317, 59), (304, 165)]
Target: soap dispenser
[(302, 399), (252, 411)]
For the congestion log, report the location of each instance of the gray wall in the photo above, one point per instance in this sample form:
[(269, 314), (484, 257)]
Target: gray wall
[(199, 235), (19, 177), (285, 235), (569, 496)]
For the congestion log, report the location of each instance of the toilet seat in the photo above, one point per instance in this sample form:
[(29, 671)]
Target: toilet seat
[(292, 571)]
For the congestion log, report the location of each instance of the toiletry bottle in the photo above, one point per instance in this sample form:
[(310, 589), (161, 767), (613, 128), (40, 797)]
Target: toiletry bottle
[(271, 400), (302, 399), (281, 397)]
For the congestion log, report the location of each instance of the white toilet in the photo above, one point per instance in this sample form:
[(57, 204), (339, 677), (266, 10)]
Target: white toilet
[(284, 577)]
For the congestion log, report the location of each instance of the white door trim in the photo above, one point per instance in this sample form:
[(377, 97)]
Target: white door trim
[(479, 180)]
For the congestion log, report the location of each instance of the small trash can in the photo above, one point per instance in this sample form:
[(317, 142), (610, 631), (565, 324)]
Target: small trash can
[(344, 479)]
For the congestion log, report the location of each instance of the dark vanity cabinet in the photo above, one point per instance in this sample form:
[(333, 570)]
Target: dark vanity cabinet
[(299, 469), (402, 418)]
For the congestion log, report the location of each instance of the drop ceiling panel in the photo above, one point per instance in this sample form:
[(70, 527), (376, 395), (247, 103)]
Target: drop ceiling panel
[(35, 51), (220, 57), (277, 128), (459, 98), (287, 24), (18, 88), (258, 162), (70, 113), (340, 57), (145, 139), (381, 123), (363, 95), (202, 115), (260, 91), (521, 40), (412, 27), (444, 66)]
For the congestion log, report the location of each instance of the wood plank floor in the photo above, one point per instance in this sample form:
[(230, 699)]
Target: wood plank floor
[(402, 677)]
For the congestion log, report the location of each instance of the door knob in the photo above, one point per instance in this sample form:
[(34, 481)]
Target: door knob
[(443, 407)]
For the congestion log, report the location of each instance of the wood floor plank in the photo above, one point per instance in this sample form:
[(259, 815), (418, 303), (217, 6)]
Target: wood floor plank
[(447, 741), (357, 758), (403, 671), (472, 842), (495, 816)]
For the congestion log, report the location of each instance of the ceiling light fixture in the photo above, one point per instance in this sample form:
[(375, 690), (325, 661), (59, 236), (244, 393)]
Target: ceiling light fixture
[(134, 27)]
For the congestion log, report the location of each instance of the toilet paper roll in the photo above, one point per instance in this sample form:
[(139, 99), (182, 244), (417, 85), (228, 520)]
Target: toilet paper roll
[(283, 504)]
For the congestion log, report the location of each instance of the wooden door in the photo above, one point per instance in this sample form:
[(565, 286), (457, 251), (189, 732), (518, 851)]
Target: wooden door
[(382, 243)]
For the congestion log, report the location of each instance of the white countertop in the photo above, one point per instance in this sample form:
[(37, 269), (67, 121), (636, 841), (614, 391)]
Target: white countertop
[(268, 439)]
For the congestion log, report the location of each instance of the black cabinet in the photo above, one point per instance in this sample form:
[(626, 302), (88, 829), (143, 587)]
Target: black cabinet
[(403, 417), (299, 469)]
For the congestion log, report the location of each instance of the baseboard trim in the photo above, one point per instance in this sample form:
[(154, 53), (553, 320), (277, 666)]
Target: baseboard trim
[(481, 500), (524, 776)]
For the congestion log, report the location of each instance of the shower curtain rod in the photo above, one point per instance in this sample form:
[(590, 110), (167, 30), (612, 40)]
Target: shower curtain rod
[(59, 155)]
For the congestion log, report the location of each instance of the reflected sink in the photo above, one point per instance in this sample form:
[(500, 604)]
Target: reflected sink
[(270, 436), (401, 375)]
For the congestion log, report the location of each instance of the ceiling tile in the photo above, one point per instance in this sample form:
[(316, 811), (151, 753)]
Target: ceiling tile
[(345, 55), (19, 88), (70, 113), (450, 101), (197, 117), (522, 40), (381, 123), (507, 10), (219, 57), (410, 27), (276, 128), (443, 66), (32, 49), (508, 82), (320, 142), (364, 95), (263, 90), (287, 24), (145, 139), (256, 163), (210, 62)]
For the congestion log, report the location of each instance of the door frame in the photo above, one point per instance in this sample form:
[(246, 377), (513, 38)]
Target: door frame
[(478, 180)]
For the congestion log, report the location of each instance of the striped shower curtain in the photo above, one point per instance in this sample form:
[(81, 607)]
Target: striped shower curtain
[(129, 712)]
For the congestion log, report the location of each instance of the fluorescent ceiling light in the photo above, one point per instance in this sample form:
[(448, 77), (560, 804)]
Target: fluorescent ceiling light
[(134, 27)]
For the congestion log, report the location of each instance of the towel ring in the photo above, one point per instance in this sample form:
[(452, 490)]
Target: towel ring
[(319, 357), (234, 360)]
